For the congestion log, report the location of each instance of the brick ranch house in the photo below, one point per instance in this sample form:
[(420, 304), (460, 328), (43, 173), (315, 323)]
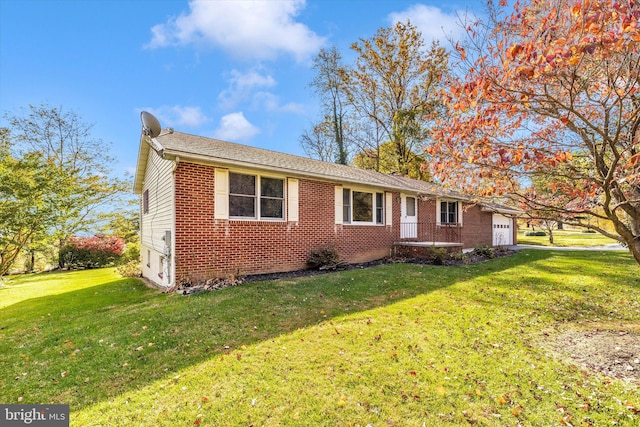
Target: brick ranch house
[(211, 208)]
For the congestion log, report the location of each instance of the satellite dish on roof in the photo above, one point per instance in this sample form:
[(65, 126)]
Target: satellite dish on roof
[(150, 125)]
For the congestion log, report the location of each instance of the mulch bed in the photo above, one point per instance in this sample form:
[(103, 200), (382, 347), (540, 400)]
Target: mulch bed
[(221, 283)]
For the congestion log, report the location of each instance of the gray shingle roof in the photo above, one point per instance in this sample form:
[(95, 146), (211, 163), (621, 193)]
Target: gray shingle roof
[(208, 150), (226, 153)]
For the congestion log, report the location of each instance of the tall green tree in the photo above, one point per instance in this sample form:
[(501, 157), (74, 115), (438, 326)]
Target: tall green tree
[(80, 164), (26, 207), (394, 84)]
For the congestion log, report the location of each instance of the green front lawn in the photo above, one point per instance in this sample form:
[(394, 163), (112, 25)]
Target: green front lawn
[(565, 238), (391, 345)]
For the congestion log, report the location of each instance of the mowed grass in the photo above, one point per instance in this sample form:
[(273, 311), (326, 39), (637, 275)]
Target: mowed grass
[(565, 238), (391, 345), (30, 286)]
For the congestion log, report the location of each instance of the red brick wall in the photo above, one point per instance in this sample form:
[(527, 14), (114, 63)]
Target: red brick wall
[(477, 227), (207, 248)]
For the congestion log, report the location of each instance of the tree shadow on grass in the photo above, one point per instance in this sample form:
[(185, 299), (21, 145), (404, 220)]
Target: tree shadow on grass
[(90, 345), (566, 291)]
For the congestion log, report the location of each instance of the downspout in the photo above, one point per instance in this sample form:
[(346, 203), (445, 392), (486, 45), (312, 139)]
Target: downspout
[(171, 247)]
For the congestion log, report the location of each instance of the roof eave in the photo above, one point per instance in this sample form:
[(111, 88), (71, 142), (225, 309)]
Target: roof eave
[(141, 166), (501, 210), (219, 161)]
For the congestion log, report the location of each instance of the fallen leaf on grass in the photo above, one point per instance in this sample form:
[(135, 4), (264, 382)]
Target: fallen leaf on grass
[(630, 406), (342, 402)]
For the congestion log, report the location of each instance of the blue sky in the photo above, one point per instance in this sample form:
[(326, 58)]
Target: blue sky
[(233, 70)]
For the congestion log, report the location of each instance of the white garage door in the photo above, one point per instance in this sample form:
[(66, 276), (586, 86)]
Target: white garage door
[(502, 230)]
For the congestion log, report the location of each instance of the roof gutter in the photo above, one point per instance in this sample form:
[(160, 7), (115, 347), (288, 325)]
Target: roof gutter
[(503, 211)]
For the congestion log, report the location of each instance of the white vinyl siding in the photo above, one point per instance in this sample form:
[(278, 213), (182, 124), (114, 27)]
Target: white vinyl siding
[(159, 187), (159, 183)]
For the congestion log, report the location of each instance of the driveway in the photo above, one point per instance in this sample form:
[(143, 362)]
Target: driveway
[(611, 247)]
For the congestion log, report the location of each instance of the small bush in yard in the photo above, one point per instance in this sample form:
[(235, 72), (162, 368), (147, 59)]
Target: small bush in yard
[(91, 252), (484, 251), (459, 256), (323, 257), (437, 255), (535, 233), (130, 269)]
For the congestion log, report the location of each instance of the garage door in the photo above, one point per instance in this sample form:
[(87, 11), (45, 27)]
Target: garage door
[(502, 230)]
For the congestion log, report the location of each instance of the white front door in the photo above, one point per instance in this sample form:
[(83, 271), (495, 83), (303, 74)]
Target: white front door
[(408, 217), (502, 230)]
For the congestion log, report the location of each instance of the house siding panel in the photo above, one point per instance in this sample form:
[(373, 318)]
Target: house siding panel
[(158, 181), (207, 247)]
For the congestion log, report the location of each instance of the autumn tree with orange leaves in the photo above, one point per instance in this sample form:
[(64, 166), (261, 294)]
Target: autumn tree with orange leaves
[(549, 89)]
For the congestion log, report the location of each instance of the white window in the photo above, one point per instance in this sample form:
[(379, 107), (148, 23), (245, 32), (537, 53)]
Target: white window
[(448, 212), (362, 207), (411, 206), (252, 196)]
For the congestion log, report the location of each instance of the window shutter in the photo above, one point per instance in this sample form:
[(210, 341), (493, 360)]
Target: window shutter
[(338, 202), (388, 209), (292, 199), (221, 206), (460, 213)]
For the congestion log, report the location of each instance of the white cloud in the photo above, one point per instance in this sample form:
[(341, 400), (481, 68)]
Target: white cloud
[(269, 102), (249, 29), (433, 23), (241, 85), (179, 116), (245, 87), (235, 127)]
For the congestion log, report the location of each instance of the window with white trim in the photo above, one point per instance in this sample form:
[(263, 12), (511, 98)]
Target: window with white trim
[(254, 196), (448, 212), (145, 202), (362, 207), (411, 206)]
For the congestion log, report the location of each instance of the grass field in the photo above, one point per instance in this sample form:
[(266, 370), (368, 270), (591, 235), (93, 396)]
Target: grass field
[(395, 345), (565, 238)]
